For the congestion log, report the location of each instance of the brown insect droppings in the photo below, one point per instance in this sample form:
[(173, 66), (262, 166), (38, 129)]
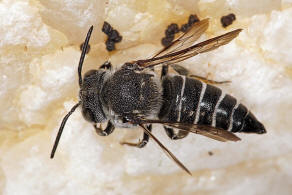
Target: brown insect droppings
[(227, 20), (113, 36), (173, 28), (192, 19)]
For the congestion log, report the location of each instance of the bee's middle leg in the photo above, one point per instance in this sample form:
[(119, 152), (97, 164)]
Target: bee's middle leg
[(141, 143), (173, 135)]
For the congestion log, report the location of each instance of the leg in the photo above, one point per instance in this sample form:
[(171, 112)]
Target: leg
[(175, 136), (107, 65), (141, 143), (183, 71), (108, 130), (208, 81), (164, 71)]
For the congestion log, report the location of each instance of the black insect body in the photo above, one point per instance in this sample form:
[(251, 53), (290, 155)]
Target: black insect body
[(136, 95), (188, 100)]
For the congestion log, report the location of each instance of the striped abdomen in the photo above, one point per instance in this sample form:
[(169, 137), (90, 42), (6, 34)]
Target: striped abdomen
[(189, 100)]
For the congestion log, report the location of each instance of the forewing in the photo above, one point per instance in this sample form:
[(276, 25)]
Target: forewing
[(191, 51), (186, 39), (208, 131), (168, 153)]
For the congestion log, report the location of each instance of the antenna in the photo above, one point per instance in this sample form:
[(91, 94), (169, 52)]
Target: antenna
[(84, 49), (62, 127)]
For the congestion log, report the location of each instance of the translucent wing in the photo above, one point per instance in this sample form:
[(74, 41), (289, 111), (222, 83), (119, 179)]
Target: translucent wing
[(191, 51), (168, 153), (186, 39), (208, 131)]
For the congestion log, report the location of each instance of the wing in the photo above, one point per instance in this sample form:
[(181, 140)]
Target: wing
[(186, 39), (208, 131), (191, 51), (168, 153)]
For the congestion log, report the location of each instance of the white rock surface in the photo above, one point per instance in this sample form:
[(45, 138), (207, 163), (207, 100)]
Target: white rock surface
[(39, 53)]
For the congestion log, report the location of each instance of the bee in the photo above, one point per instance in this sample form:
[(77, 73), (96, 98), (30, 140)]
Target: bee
[(135, 95)]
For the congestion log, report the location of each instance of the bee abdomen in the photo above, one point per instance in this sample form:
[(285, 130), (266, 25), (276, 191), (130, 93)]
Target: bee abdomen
[(224, 111), (180, 99), (244, 121), (189, 100), (207, 106)]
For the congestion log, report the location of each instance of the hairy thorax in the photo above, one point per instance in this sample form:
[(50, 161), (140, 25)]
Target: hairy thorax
[(132, 93)]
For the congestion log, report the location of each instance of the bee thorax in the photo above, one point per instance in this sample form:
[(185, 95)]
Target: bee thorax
[(132, 93)]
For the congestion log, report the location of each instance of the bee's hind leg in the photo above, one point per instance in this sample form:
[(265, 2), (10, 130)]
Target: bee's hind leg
[(141, 143), (173, 135), (108, 130), (183, 71)]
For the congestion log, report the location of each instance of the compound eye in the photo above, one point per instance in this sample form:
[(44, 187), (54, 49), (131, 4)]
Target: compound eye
[(88, 115)]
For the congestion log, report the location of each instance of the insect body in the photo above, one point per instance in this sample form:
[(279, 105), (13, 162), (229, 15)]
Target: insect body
[(136, 95), (187, 100)]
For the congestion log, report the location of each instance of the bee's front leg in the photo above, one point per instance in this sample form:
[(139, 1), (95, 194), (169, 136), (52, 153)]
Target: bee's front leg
[(107, 65), (108, 130), (141, 143)]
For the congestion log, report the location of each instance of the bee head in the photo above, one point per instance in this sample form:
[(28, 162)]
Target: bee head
[(89, 95)]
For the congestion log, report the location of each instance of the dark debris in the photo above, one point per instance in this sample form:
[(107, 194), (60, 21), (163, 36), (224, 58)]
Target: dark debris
[(110, 45), (107, 28), (113, 36), (192, 19), (173, 28), (166, 41), (227, 20)]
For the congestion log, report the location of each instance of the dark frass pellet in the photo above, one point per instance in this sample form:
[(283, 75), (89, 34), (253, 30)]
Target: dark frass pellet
[(227, 20), (107, 28), (87, 49), (166, 41), (184, 27), (113, 36), (171, 29), (193, 19), (110, 45)]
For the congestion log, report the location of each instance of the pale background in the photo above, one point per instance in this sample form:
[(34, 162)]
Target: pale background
[(39, 53)]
